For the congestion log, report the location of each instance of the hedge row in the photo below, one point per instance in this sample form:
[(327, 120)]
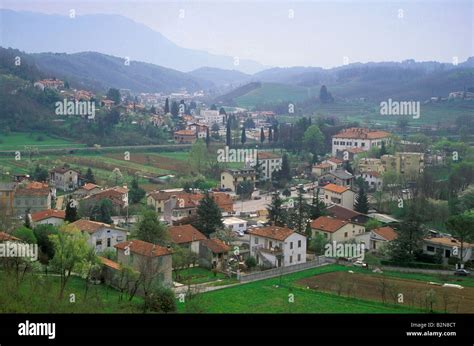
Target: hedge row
[(419, 265)]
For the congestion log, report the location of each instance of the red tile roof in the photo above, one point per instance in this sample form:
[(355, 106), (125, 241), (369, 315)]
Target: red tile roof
[(109, 263), (45, 214), (328, 224), (216, 245), (273, 232), (89, 186), (5, 237), (143, 248), (361, 133), (90, 226), (342, 213), (335, 188), (387, 233), (185, 234), (33, 192)]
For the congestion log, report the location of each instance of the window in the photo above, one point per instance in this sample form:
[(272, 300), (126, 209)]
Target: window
[(291, 245), (430, 248), (299, 243), (345, 234), (109, 242), (98, 242), (256, 240), (291, 259), (299, 257)]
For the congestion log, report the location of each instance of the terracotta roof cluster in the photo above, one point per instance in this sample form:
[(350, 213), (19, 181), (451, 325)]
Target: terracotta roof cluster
[(342, 213), (46, 214), (191, 200), (388, 233), (185, 133), (223, 201), (143, 248), (335, 188), (335, 160), (273, 232), (216, 245), (323, 165), (361, 133), (37, 185), (328, 224), (185, 234)]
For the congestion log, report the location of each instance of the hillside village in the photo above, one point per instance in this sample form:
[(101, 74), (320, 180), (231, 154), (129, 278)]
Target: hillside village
[(286, 196)]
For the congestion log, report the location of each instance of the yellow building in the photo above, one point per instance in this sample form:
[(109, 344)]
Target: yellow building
[(231, 178), (409, 165)]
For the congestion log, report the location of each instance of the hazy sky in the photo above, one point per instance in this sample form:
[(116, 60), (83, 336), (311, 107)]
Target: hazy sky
[(297, 33)]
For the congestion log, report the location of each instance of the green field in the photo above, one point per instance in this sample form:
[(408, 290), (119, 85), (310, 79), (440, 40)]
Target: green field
[(18, 140), (272, 296), (39, 294), (273, 93)]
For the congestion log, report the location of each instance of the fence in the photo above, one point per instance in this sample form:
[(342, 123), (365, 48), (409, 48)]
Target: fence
[(270, 273)]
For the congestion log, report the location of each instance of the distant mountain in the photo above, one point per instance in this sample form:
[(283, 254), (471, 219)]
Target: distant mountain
[(373, 81), (100, 72), (109, 34), (221, 77)]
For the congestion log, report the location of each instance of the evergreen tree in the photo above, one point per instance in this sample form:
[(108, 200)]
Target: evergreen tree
[(276, 214), (222, 111), (167, 106), (262, 135), (243, 137), (383, 150), (409, 240), (324, 95), (299, 215), (150, 229), (136, 193), (174, 109), (270, 134), (228, 135), (89, 177), (102, 211), (208, 138), (27, 222), (275, 134), (258, 170), (285, 171), (213, 107), (114, 95), (318, 208), (71, 212), (209, 216), (361, 204)]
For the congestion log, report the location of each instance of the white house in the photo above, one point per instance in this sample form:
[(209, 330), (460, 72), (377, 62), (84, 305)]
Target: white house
[(358, 138), (373, 179), (102, 236), (235, 224), (48, 217), (277, 246), (270, 163), (212, 116), (447, 247)]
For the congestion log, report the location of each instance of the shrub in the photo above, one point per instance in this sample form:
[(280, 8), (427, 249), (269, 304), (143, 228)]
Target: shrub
[(161, 300), (251, 262), (419, 265)]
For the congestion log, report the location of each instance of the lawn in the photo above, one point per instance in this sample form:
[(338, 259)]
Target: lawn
[(17, 141), (100, 298), (197, 275), (273, 296)]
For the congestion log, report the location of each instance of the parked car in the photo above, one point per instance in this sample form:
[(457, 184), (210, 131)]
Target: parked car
[(359, 263), (462, 272)]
